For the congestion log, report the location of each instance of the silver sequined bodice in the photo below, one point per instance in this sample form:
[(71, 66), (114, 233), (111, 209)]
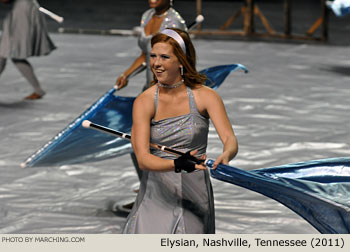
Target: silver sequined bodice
[(184, 133)]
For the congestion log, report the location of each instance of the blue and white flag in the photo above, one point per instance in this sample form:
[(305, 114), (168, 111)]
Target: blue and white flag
[(74, 144), (319, 191), (339, 7)]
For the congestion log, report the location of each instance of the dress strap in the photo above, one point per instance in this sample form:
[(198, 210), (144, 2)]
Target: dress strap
[(156, 96), (192, 102)]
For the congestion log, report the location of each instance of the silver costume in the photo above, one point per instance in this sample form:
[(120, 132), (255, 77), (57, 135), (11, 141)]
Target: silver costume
[(24, 32), (170, 202), (172, 19)]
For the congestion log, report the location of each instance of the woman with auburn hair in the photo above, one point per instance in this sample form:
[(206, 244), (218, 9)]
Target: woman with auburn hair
[(175, 193), (159, 16)]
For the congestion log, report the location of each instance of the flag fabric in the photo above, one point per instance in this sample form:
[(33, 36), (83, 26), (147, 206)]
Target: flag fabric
[(339, 7), (318, 190), (217, 74), (75, 144)]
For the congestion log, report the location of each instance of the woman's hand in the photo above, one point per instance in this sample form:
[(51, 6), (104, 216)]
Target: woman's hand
[(200, 166), (188, 164), (121, 82), (224, 158)]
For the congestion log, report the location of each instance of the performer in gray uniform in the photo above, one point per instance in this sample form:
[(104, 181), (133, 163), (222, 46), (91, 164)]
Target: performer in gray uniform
[(24, 35), (161, 15), (176, 194)]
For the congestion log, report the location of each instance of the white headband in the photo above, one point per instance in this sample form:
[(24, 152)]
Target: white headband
[(173, 34)]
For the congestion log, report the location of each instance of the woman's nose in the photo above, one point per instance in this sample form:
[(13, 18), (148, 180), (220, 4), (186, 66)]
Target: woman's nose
[(157, 61)]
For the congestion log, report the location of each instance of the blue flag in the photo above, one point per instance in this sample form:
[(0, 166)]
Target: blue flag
[(217, 74), (339, 7), (319, 191), (75, 144)]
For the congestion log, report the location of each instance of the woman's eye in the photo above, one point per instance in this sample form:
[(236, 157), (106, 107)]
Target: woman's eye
[(152, 55), (165, 57)]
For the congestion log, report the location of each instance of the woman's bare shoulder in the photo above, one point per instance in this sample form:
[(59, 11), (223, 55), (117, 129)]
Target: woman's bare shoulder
[(204, 92), (146, 98), (205, 98)]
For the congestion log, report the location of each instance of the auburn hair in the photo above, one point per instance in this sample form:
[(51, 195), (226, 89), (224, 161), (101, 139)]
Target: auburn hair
[(192, 77)]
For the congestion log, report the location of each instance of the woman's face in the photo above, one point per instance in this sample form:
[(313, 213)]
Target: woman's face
[(158, 3), (164, 63)]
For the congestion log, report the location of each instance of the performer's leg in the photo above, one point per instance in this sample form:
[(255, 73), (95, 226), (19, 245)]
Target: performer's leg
[(27, 71), (2, 64)]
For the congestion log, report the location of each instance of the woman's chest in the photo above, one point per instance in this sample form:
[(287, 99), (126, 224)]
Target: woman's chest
[(153, 26)]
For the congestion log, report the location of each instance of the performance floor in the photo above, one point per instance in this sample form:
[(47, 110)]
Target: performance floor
[(292, 106)]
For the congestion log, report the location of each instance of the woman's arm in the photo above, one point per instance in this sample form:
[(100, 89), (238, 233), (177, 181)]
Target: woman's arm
[(122, 80), (216, 110), (143, 110)]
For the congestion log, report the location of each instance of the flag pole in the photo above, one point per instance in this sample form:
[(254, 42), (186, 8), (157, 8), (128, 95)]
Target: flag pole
[(87, 124)]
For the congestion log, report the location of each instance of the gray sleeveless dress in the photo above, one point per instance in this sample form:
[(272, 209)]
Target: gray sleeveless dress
[(170, 202), (172, 19), (24, 32)]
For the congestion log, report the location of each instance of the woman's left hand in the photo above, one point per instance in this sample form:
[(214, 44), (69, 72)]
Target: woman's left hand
[(222, 159)]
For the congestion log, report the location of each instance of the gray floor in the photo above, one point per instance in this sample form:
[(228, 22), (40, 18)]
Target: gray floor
[(292, 106)]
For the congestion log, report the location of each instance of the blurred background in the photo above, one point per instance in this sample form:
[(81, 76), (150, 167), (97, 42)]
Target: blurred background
[(96, 16)]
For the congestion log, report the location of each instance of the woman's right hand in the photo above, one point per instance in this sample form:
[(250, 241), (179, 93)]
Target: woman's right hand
[(121, 82), (186, 163)]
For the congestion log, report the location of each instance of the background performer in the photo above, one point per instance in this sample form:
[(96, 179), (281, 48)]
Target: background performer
[(161, 15), (25, 34)]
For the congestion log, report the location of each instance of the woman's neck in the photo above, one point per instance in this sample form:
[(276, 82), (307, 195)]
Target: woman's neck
[(161, 11), (171, 86)]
